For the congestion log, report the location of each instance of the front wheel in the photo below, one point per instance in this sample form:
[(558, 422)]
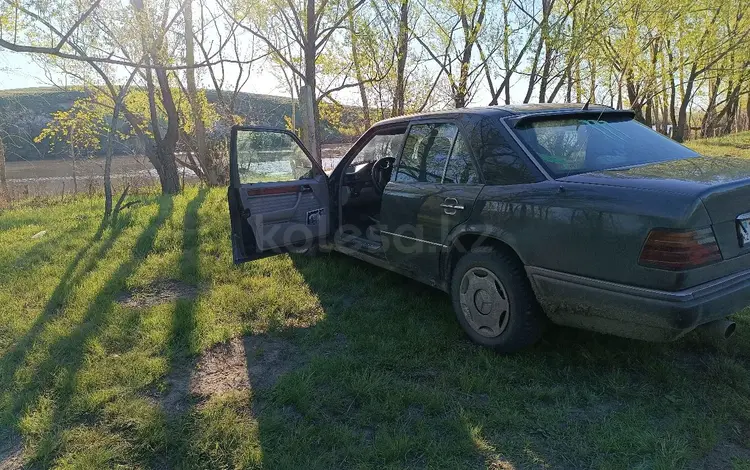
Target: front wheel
[(494, 302)]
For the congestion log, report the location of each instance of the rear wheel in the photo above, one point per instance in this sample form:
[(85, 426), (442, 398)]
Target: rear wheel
[(494, 302)]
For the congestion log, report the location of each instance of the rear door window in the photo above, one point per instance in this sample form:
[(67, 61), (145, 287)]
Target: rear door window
[(460, 168), (426, 152), (435, 153)]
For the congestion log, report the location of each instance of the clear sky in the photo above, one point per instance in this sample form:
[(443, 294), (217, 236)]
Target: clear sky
[(19, 71)]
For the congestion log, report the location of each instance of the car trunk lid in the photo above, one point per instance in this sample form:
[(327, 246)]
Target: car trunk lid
[(721, 183)]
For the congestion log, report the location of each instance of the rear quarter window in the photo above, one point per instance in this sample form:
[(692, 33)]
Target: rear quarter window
[(500, 160)]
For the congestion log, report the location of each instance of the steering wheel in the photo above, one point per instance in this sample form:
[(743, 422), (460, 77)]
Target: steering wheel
[(381, 173)]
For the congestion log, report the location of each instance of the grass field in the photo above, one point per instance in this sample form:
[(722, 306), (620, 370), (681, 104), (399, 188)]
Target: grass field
[(733, 144), (141, 345)]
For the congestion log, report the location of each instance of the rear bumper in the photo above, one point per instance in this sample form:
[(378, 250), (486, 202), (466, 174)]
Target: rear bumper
[(636, 312)]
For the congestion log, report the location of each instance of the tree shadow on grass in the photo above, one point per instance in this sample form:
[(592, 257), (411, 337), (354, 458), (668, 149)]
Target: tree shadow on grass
[(72, 275), (56, 374), (181, 342), (43, 250)]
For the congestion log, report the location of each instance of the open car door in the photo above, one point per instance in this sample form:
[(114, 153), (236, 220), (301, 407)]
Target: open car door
[(278, 194)]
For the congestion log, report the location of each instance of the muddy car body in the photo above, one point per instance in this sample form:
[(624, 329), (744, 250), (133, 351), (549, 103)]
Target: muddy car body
[(523, 214)]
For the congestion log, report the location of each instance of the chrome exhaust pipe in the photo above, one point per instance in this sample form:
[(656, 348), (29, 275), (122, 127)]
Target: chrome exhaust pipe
[(719, 329)]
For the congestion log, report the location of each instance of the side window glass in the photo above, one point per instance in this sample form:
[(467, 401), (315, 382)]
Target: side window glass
[(500, 163), (268, 156), (425, 153), (380, 146), (460, 169)]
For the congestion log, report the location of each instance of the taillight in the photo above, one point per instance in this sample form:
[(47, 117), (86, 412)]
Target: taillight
[(678, 250)]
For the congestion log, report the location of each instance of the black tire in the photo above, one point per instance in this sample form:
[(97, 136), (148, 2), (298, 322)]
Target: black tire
[(523, 322)]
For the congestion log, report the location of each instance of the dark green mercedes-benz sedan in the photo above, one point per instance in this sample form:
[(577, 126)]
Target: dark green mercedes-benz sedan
[(525, 214)]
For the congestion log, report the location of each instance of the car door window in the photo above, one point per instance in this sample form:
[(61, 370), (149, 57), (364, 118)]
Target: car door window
[(270, 156), (426, 153), (380, 146), (460, 168)]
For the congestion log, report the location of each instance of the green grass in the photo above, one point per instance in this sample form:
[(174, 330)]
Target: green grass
[(381, 375), (737, 145)]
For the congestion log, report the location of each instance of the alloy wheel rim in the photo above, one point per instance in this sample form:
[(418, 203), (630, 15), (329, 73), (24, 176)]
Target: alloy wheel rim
[(484, 302)]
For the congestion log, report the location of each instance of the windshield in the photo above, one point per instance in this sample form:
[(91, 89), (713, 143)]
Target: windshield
[(574, 145)]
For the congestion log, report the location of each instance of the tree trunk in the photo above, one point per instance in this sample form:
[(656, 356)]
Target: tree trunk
[(402, 48), (471, 32), (3, 183), (306, 111), (358, 67), (679, 132), (592, 80), (633, 96), (672, 89), (71, 137), (532, 75), (731, 107), (311, 125), (196, 106), (544, 78), (108, 158), (165, 164), (713, 93), (162, 155), (461, 91), (506, 50)]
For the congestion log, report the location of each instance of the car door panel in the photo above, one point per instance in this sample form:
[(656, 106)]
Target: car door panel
[(419, 215), (273, 217), (279, 209), (419, 227)]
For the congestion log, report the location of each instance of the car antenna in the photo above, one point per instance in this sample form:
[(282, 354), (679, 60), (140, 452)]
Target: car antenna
[(586, 106)]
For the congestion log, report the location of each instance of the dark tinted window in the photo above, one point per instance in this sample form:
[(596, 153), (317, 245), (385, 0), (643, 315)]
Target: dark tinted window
[(570, 146), (501, 163), (425, 153), (460, 169)]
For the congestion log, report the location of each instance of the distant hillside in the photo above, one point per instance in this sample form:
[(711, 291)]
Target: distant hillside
[(25, 112)]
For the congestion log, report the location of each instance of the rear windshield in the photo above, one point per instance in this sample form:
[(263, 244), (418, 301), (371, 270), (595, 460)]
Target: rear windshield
[(575, 145)]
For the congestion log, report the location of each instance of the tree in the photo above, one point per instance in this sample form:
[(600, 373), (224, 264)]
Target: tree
[(135, 35), (453, 46), (298, 30), (80, 128)]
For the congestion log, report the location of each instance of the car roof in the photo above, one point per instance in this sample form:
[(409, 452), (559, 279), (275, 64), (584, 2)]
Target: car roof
[(498, 111)]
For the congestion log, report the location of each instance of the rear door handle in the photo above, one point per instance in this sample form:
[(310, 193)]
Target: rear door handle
[(451, 206)]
